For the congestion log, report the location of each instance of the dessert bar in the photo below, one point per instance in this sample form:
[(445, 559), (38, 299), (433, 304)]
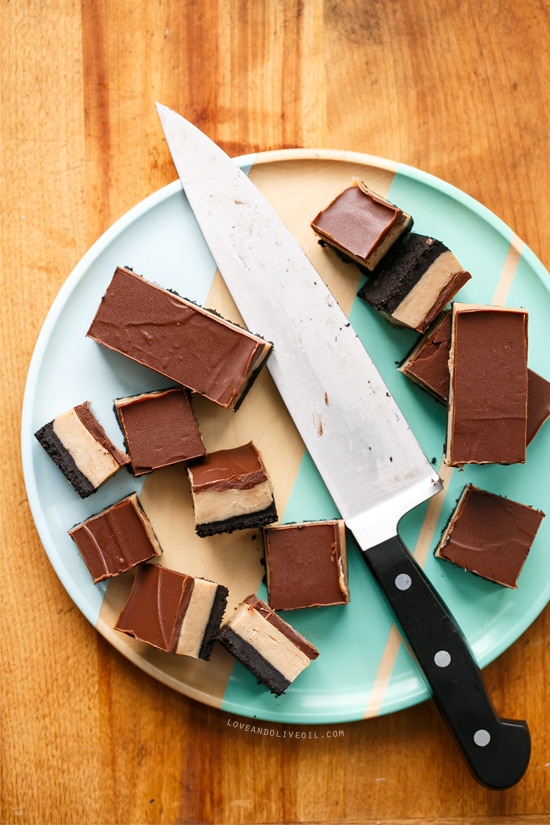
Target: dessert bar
[(415, 281), (116, 539), (79, 446), (267, 645), (489, 535), (487, 418), (159, 429), (306, 564), (361, 225), (184, 342), (231, 491), (174, 612)]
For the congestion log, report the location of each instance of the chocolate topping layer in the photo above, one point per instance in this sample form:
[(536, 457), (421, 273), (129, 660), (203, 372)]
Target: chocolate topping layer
[(490, 535), (236, 468), (358, 222), (116, 539), (156, 606), (487, 421), (159, 429), (306, 565), (95, 429), (177, 338), (428, 362)]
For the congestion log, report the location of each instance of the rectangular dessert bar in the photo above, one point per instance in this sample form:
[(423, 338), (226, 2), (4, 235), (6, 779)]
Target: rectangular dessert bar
[(267, 645), (487, 418), (415, 281), (173, 611), (427, 365), (184, 342), (306, 564), (116, 539), (231, 490), (361, 225), (79, 446), (489, 535), (159, 429)]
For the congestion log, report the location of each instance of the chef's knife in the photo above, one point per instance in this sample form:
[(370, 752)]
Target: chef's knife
[(362, 446)]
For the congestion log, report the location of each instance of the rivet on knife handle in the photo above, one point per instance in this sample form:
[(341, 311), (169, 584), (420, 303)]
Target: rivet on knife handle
[(496, 749)]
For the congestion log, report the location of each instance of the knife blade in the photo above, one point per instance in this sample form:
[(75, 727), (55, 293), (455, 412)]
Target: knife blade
[(366, 454)]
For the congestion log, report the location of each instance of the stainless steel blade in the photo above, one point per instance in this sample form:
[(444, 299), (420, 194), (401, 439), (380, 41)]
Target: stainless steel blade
[(360, 442)]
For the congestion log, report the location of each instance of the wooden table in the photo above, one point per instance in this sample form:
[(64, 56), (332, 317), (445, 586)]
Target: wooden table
[(458, 89)]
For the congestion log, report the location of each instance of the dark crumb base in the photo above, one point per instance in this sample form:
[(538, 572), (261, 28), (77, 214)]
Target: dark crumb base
[(213, 626), (254, 661), (63, 459), (403, 266), (245, 522)]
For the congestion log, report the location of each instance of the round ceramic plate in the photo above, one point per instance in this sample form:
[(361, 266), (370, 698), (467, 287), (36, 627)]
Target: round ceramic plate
[(363, 669)]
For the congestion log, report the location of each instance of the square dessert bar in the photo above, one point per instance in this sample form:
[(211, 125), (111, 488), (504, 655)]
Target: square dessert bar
[(361, 225), (231, 491), (414, 282), (116, 539), (306, 564), (79, 446), (489, 535), (267, 645), (159, 429), (487, 410), (173, 612), (184, 342)]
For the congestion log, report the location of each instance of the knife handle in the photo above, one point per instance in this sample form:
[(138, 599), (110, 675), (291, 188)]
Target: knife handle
[(497, 749)]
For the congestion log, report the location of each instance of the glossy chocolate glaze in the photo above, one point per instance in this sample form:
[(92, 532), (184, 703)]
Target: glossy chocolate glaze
[(175, 337), (306, 565), (487, 421), (156, 606), (490, 535), (236, 468), (538, 392), (159, 429), (356, 221), (116, 539)]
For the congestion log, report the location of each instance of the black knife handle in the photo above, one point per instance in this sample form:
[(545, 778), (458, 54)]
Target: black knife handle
[(496, 749)]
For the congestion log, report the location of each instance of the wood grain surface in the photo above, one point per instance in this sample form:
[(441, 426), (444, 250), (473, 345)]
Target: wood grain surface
[(458, 88)]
